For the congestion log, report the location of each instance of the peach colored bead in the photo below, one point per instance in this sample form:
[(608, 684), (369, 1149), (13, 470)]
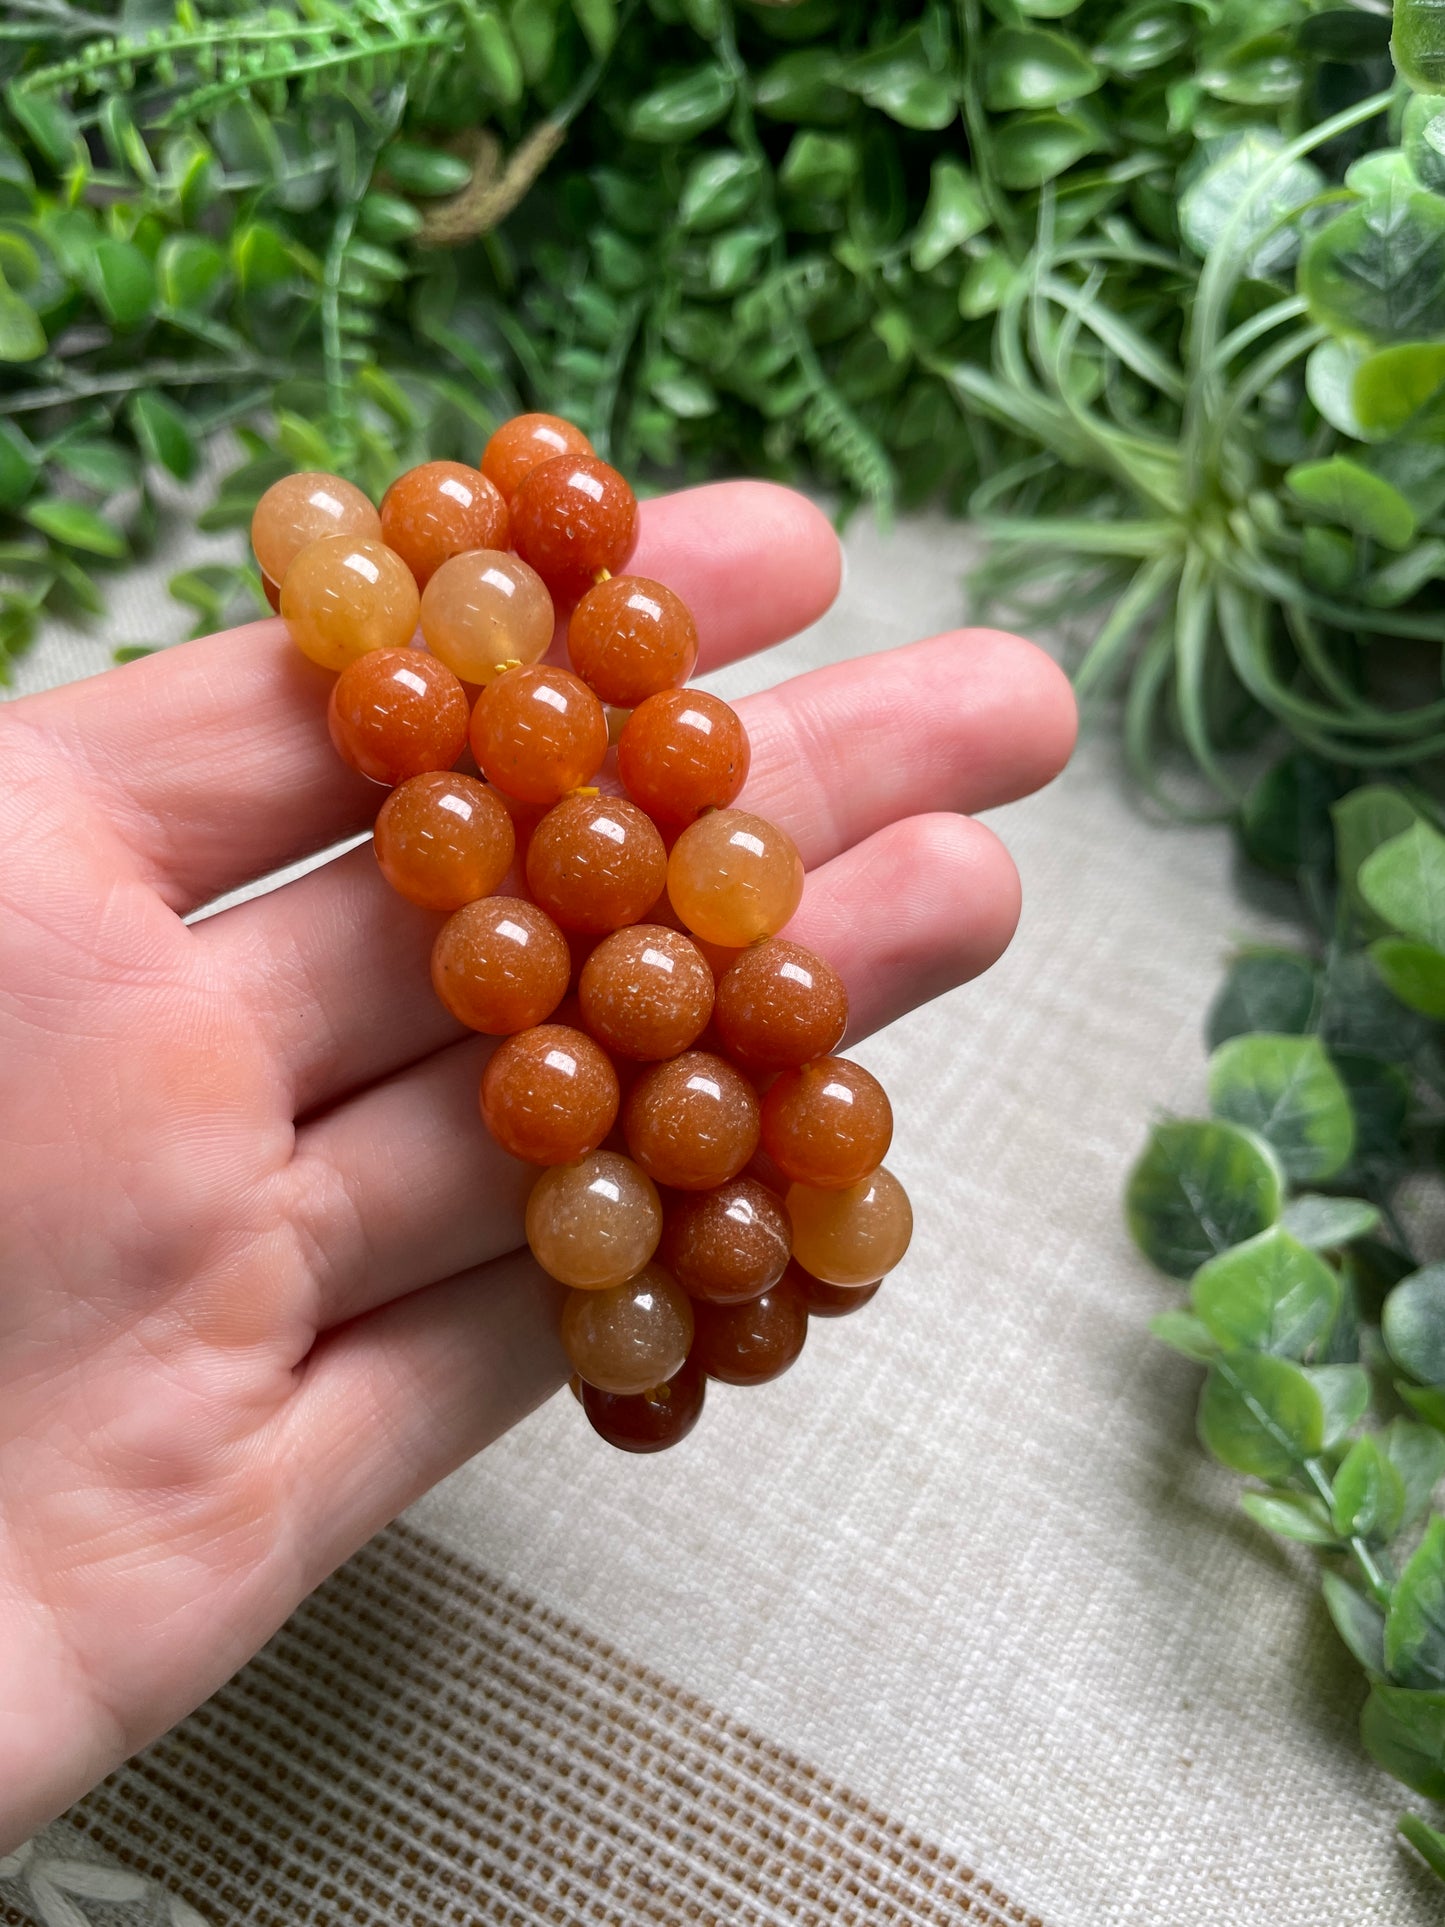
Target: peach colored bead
[(549, 1094), (646, 992), (538, 733), (299, 510), (595, 1223), (734, 878), (443, 840), (483, 611), (692, 1121), (827, 1124), (572, 518), (595, 863), (439, 510), (683, 752), (500, 965), (851, 1237), (345, 596), (631, 637), (395, 713), (779, 1005), (272, 593), (523, 444), (630, 1338)]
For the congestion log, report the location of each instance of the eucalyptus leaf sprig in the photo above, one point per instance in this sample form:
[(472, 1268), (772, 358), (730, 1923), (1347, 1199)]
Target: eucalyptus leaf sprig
[(1321, 1330)]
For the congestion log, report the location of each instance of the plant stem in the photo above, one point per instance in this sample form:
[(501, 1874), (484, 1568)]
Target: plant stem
[(1369, 1566)]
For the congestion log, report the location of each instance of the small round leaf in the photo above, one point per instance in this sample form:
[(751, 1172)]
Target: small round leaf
[(1199, 1188)]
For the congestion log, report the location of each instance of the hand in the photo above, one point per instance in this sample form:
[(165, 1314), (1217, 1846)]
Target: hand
[(261, 1269)]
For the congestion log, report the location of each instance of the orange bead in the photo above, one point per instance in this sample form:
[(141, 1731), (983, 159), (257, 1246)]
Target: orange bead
[(443, 840), (831, 1301), (596, 863), (647, 1421), (572, 517), (683, 752), (734, 878), (851, 1237), (728, 1244), (523, 444), (500, 965), (343, 597), (395, 713), (440, 510), (483, 611), (549, 1094), (272, 593), (750, 1343), (595, 1223), (298, 510), (538, 733), (631, 1337), (778, 1005), (646, 992), (828, 1124), (631, 637), (692, 1121)]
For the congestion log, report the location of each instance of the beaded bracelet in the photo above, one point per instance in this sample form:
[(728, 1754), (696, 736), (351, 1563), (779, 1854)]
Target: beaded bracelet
[(634, 971)]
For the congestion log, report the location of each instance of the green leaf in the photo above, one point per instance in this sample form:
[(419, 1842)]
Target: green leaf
[(494, 56), (164, 434), (124, 281), (802, 88), (191, 271), (1285, 820), (598, 21), (1427, 1842), (683, 107), (1292, 1515), (1395, 387), (1413, 1324), (1026, 67), (1344, 1395), (1422, 136), (1330, 384), (819, 166), (1272, 990), (1199, 1188), (21, 336), (19, 465), (1260, 1415), (1270, 1293), (718, 188), (103, 466), (1404, 1732), (1378, 270), (898, 80), (1143, 38), (418, 169), (1369, 1493), (1363, 820), (1417, 1453), (1030, 149), (76, 526), (1355, 498), (1324, 1224), (1359, 1622), (1287, 1090), (1245, 198), (1185, 1333), (48, 122), (1415, 1623), (534, 29), (1418, 45), (1403, 882), (1414, 972), (955, 212)]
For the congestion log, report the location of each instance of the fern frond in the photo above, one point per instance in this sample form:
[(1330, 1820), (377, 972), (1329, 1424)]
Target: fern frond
[(842, 442)]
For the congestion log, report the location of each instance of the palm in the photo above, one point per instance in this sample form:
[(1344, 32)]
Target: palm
[(262, 1276)]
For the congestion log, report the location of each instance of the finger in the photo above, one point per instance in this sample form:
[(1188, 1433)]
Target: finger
[(404, 1184), (982, 717), (213, 758)]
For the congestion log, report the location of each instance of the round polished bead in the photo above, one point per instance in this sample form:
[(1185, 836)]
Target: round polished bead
[(571, 518), (523, 444), (647, 1421), (396, 713), (298, 510), (484, 611), (778, 1006), (443, 840), (831, 1301), (747, 1344), (596, 863), (734, 878), (500, 965), (683, 752), (828, 1124), (549, 1094), (630, 1337), (727, 1245), (440, 510), (344, 596), (631, 637), (851, 1237), (691, 1122), (538, 733), (646, 992), (272, 592), (594, 1224)]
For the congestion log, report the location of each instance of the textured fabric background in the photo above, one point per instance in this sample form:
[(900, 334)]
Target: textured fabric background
[(965, 1559)]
